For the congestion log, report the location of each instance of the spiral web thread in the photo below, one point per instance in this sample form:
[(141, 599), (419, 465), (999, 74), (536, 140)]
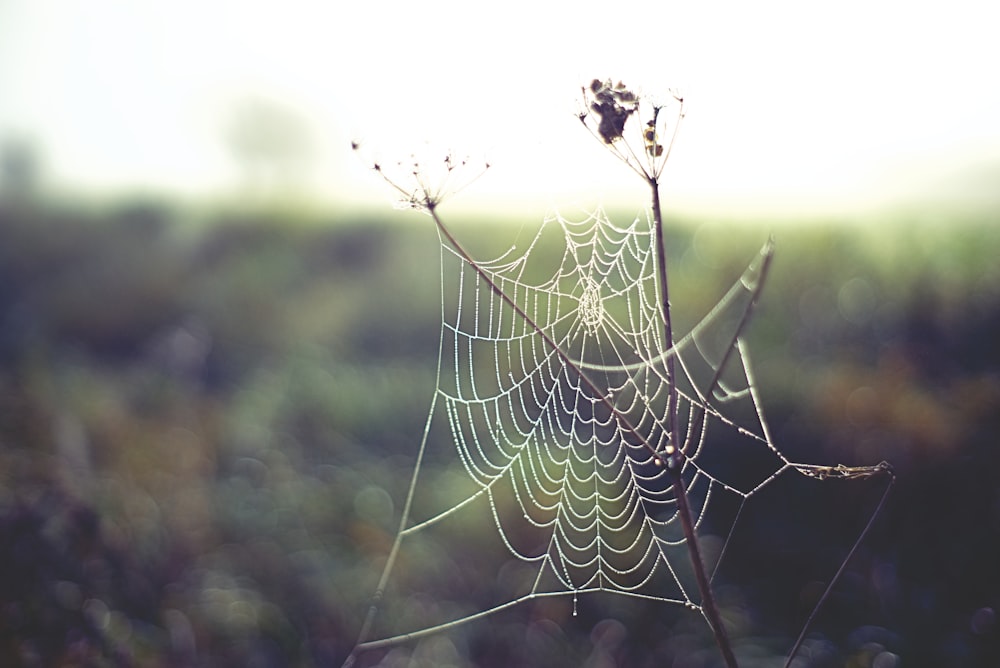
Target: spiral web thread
[(571, 489)]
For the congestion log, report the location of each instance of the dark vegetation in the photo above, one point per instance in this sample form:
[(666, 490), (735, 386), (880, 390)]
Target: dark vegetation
[(206, 429)]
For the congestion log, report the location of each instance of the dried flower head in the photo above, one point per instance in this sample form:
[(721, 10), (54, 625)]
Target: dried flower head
[(609, 107), (423, 184), (613, 104)]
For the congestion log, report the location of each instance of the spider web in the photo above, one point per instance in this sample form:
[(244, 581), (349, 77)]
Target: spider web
[(561, 423)]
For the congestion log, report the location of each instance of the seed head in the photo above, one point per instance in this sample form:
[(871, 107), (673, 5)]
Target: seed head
[(607, 112), (423, 184), (613, 104)]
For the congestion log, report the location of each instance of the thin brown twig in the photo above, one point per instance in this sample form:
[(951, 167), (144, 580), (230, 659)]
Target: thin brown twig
[(845, 473), (675, 463)]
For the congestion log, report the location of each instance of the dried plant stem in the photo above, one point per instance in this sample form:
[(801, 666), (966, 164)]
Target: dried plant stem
[(390, 561), (704, 587), (883, 469), (675, 463)]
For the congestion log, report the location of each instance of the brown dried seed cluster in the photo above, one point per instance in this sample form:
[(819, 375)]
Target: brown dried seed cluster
[(614, 104), (653, 148), (422, 185)]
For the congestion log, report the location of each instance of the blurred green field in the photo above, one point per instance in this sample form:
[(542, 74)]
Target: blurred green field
[(208, 422)]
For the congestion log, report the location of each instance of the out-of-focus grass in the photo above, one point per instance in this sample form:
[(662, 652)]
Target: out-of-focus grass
[(206, 435)]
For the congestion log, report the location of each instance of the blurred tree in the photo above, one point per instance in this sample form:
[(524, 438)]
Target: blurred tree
[(19, 169), (271, 144)]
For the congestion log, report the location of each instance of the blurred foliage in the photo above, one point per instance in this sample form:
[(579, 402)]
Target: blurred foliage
[(207, 429)]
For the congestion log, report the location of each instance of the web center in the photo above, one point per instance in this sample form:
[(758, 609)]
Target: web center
[(591, 306)]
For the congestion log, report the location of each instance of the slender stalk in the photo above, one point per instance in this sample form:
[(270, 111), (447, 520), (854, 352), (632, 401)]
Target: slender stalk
[(675, 464), (668, 332), (394, 550), (843, 565)]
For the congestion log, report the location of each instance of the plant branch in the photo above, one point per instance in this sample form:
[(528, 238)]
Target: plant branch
[(675, 457), (883, 469), (394, 550)]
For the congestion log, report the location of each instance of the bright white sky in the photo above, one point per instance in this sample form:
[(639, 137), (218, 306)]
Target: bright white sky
[(790, 104)]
